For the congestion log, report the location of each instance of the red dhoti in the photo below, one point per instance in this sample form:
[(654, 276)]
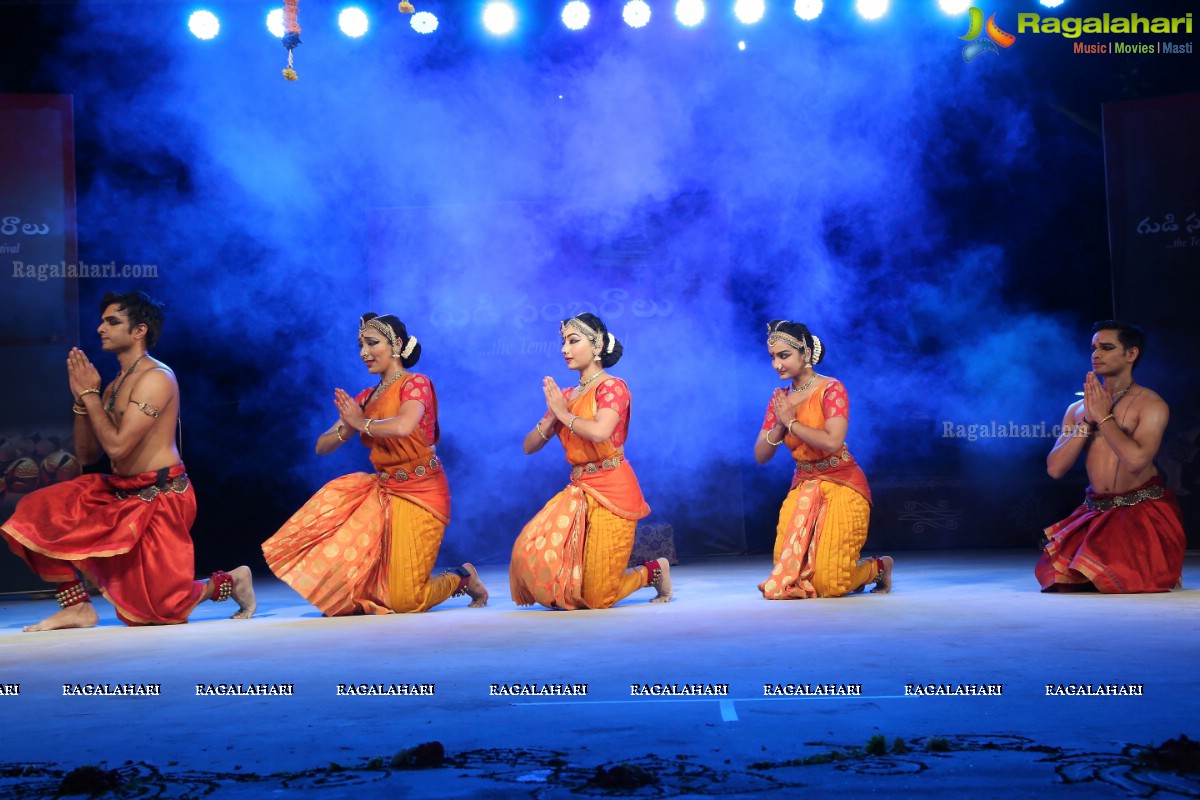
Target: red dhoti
[(1121, 544), (129, 536)]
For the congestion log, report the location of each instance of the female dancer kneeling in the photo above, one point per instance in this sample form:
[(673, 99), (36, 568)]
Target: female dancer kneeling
[(573, 554), (366, 543), (823, 521)]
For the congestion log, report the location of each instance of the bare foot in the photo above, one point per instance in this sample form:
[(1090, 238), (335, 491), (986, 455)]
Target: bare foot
[(243, 593), (664, 583), (80, 615), (475, 588), (883, 583)]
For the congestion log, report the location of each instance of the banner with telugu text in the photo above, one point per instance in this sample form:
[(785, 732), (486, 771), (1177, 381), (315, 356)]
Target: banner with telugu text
[(41, 314)]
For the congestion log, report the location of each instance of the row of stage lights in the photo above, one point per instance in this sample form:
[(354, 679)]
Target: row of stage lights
[(499, 17)]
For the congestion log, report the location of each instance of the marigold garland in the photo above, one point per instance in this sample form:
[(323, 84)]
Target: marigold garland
[(291, 36)]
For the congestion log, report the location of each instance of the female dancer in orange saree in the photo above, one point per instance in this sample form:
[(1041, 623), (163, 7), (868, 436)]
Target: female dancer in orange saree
[(823, 521), (366, 543), (573, 554)]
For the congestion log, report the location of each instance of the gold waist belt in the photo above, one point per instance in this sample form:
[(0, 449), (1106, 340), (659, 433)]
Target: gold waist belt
[(579, 470), (809, 467), (177, 485), (420, 471), (1154, 492)]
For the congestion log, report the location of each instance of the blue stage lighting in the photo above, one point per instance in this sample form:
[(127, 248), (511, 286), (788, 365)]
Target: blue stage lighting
[(499, 18), (636, 13), (353, 21), (275, 23), (690, 13), (204, 24), (424, 22), (954, 7), (809, 10), (576, 14), (1052, 3), (871, 9), (749, 12)]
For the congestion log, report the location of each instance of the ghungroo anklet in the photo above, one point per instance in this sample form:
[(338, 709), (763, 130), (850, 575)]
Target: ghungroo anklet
[(71, 594), (222, 586), (654, 570), (463, 576)]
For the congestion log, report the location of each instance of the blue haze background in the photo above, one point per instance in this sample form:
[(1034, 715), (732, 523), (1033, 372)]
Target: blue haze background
[(939, 225)]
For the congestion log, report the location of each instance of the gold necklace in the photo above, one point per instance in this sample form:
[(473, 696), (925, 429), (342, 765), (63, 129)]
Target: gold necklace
[(383, 386), (807, 384), (583, 384)]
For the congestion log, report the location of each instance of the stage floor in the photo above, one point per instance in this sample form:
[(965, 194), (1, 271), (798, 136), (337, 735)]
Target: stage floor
[(963, 619)]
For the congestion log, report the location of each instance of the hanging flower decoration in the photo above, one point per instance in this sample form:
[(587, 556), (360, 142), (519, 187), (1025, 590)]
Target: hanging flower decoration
[(291, 34), (406, 7)]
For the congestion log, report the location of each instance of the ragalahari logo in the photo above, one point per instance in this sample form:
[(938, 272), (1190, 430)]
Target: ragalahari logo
[(995, 36)]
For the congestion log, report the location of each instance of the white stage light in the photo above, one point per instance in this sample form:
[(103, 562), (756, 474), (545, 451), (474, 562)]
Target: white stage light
[(353, 22), (690, 13), (749, 12), (871, 9), (954, 7), (576, 15), (423, 22), (808, 10), (499, 18), (636, 13), (275, 23), (204, 24)]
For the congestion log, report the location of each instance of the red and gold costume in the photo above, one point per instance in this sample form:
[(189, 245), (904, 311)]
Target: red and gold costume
[(367, 543), (823, 522), (128, 535), (574, 553), (1121, 544)]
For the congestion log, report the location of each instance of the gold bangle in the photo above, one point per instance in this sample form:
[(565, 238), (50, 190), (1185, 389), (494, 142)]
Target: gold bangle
[(1106, 419), (789, 426), (80, 411), (767, 437), (367, 427), (538, 427), (571, 424), (86, 392), (338, 431)]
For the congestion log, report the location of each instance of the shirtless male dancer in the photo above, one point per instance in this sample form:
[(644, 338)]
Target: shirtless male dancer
[(129, 532), (1128, 534)]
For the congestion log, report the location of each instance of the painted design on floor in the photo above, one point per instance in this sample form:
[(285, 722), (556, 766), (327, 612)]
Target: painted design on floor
[(1169, 770)]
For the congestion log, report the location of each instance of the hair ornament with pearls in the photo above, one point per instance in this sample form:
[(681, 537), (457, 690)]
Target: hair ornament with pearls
[(797, 336), (774, 336), (580, 327), (379, 325)]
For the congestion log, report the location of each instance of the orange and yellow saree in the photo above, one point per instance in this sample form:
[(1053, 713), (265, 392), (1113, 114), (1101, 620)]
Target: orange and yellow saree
[(367, 543), (823, 521), (573, 553)]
